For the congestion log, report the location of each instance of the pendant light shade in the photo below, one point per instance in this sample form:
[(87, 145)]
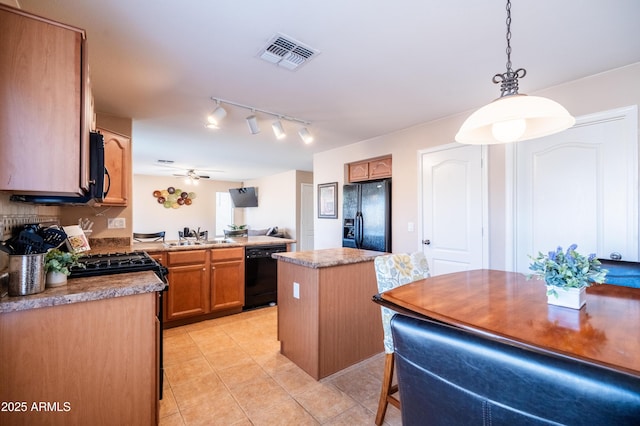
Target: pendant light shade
[(514, 118)]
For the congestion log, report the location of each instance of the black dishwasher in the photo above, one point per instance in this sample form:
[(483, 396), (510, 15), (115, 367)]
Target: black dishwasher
[(261, 275)]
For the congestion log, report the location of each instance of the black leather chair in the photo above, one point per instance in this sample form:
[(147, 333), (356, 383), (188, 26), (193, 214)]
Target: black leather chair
[(448, 376), (154, 236)]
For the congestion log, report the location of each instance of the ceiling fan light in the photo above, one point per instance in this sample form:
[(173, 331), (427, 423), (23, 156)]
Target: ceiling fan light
[(305, 135), (252, 122), (278, 130), (488, 125), (216, 117)]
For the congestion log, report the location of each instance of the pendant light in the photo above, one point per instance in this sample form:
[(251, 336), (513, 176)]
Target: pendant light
[(513, 117)]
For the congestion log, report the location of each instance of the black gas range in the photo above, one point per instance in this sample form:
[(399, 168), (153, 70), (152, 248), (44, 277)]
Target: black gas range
[(117, 263)]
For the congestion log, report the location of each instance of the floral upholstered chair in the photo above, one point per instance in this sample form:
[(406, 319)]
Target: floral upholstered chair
[(394, 270)]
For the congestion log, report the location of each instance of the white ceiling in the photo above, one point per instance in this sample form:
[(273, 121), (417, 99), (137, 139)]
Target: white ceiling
[(383, 66)]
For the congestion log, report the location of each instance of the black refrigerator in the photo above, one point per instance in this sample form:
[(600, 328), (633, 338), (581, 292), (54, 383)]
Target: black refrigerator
[(367, 215)]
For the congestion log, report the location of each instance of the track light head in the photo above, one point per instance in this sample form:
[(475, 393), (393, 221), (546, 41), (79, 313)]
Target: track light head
[(305, 135), (252, 121), (278, 130), (216, 117)]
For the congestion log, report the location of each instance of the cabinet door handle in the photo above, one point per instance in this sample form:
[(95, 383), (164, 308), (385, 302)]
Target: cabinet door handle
[(213, 267)]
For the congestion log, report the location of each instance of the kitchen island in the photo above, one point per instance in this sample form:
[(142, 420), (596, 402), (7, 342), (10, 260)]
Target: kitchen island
[(326, 320), (83, 353)]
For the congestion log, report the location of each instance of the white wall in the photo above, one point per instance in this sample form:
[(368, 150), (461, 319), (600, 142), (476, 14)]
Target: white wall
[(278, 202), (149, 216), (612, 89)]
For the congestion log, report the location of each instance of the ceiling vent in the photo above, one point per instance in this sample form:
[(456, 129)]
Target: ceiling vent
[(287, 52)]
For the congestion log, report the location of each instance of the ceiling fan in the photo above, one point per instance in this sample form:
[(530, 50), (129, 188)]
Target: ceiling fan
[(191, 174)]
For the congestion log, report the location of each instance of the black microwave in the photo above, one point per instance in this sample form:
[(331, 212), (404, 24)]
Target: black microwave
[(97, 173)]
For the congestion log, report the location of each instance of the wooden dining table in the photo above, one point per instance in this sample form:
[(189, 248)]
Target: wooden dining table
[(508, 307)]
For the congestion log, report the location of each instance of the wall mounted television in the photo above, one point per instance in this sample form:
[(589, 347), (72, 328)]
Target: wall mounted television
[(244, 197)]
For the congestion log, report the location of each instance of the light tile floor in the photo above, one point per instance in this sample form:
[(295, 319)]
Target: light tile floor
[(229, 371)]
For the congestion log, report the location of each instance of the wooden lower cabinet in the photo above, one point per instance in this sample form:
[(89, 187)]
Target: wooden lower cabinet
[(203, 284), (188, 278), (227, 278), (85, 363)]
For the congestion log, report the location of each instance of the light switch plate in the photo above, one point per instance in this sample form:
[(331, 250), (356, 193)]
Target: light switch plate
[(116, 223), (296, 290)]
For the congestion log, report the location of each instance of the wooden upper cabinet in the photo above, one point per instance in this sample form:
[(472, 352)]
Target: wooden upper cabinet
[(117, 161), (378, 168), (44, 136), (358, 171)]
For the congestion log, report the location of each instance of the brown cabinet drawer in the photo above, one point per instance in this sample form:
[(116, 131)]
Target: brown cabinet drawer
[(158, 256), (186, 257), (227, 253)]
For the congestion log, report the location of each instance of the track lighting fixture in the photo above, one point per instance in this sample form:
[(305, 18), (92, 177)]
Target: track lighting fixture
[(278, 130), (252, 120), (513, 117), (305, 135)]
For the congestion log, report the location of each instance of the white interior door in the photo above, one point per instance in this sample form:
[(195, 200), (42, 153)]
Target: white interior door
[(306, 217), (454, 209), (579, 186)]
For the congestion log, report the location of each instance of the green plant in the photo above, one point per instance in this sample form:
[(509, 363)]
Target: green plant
[(567, 269), (60, 261), (235, 227)]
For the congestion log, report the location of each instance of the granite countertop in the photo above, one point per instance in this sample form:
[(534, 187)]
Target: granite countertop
[(85, 290), (328, 257), (260, 240)]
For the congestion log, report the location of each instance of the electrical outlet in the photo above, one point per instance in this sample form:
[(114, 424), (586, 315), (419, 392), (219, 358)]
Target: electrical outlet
[(296, 290), (116, 223)]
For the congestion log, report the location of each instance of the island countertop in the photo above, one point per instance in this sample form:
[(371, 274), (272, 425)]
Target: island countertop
[(85, 290), (328, 257)]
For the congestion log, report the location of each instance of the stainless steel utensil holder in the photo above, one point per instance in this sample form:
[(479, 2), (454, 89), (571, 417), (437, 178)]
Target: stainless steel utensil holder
[(26, 274)]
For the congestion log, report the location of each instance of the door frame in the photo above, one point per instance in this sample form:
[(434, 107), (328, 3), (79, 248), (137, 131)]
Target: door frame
[(301, 233), (484, 195), (629, 113)]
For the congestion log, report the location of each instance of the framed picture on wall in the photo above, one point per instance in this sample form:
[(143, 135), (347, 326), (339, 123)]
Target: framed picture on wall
[(328, 200)]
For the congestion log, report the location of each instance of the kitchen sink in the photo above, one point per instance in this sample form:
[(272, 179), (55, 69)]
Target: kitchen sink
[(198, 242), (225, 241)]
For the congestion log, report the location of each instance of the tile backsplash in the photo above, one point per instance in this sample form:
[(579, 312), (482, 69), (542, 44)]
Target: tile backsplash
[(8, 223)]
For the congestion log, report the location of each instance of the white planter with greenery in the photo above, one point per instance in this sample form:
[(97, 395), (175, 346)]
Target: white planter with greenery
[(55, 279), (567, 275), (57, 264), (568, 297)]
